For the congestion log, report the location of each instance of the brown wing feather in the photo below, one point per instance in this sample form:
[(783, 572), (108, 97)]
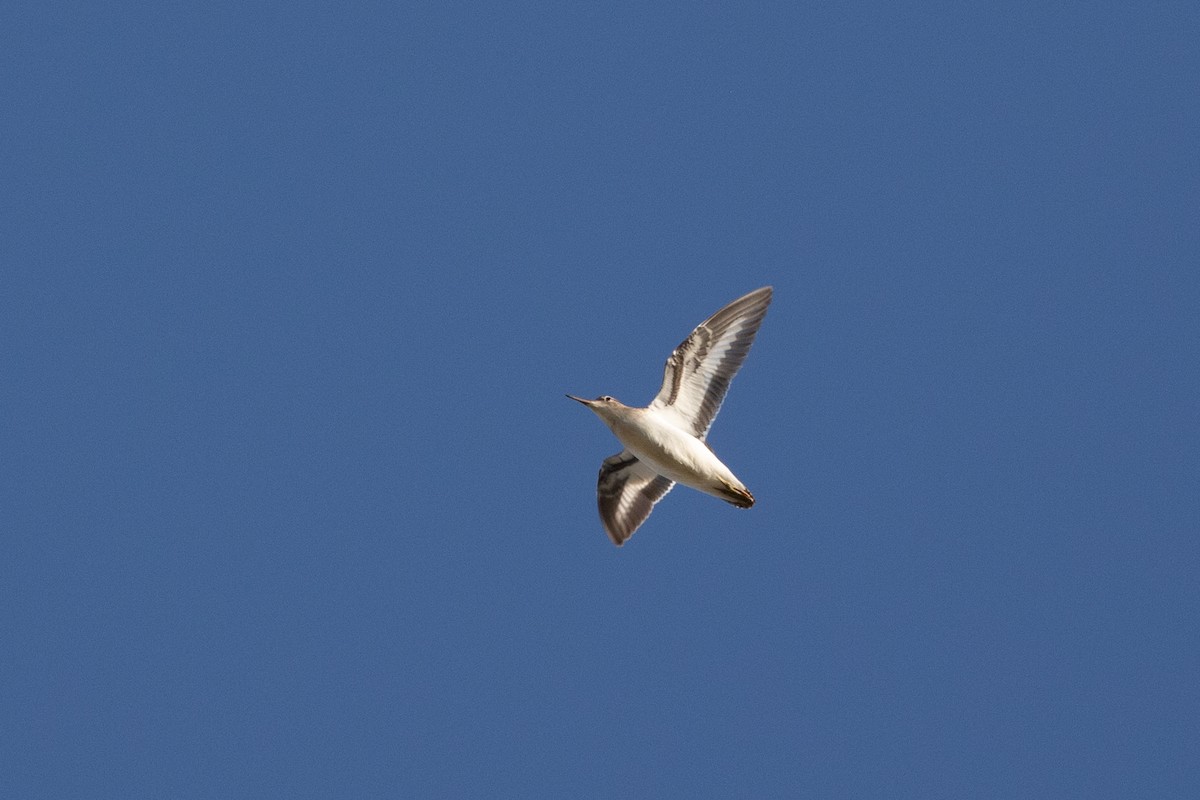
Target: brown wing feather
[(626, 493)]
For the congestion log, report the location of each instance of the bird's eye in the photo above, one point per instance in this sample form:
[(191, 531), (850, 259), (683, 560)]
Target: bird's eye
[(606, 399)]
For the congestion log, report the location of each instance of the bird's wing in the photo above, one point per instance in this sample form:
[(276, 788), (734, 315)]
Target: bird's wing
[(626, 494), (698, 373)]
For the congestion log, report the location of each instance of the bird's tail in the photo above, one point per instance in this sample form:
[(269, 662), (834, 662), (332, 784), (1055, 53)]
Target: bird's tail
[(737, 495)]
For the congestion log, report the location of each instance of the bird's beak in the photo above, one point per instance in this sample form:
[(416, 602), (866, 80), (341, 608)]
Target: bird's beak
[(580, 400)]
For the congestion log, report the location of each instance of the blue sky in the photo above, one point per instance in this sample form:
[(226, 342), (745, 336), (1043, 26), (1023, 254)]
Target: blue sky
[(294, 505)]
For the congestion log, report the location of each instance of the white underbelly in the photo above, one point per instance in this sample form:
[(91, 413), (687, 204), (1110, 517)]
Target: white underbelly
[(675, 454)]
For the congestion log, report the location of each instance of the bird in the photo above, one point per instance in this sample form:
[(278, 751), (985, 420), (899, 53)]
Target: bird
[(665, 442)]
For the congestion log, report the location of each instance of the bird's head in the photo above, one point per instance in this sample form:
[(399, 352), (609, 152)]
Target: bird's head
[(605, 407)]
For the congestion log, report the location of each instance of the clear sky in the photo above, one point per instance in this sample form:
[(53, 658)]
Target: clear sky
[(293, 504)]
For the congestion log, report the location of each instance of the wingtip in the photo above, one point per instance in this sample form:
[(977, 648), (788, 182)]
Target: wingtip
[(759, 299)]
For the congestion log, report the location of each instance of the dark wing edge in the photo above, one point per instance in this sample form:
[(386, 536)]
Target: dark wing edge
[(626, 493)]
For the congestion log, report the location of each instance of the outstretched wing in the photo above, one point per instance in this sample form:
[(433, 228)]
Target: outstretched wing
[(626, 494), (698, 373)]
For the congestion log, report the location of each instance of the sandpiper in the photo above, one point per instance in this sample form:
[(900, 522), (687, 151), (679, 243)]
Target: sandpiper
[(664, 442)]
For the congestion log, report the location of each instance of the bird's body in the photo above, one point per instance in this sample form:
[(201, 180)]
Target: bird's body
[(665, 442), (653, 435)]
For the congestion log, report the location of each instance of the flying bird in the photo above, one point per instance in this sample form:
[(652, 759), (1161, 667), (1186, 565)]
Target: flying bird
[(664, 442)]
